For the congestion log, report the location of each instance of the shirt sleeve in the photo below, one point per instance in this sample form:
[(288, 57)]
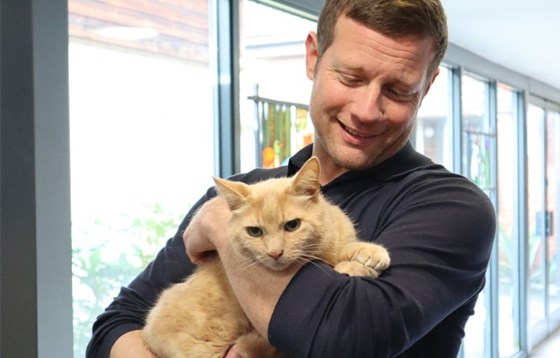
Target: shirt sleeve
[(128, 310), (439, 234)]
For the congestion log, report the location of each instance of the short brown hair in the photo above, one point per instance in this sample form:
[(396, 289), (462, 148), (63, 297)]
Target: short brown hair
[(389, 17)]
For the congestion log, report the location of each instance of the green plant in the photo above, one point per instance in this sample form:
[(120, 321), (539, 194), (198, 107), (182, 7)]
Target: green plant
[(108, 256)]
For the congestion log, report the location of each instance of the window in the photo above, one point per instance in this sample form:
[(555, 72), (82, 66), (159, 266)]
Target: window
[(141, 138), (536, 214), (478, 164), (432, 134), (542, 198), (478, 134), (508, 236), (552, 214), (274, 87)]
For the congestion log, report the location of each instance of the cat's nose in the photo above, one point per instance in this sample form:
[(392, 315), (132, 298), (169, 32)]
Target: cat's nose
[(276, 254)]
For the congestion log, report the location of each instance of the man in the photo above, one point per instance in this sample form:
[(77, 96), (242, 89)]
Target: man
[(371, 63)]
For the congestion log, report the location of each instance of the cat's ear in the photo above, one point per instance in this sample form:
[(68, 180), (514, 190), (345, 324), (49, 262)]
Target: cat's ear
[(306, 180), (234, 192)]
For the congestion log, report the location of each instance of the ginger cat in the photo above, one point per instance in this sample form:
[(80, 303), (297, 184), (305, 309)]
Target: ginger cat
[(275, 223)]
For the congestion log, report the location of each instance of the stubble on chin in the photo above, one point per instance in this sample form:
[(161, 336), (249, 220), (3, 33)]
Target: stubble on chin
[(357, 159)]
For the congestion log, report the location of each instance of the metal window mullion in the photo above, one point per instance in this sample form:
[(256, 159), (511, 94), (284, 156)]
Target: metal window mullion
[(309, 9), (457, 118), (493, 335), (225, 44), (522, 233)]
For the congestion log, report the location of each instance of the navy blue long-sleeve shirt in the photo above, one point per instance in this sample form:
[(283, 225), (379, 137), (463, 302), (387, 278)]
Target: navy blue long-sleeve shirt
[(439, 230)]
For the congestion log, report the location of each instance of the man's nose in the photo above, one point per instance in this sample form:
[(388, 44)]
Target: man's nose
[(367, 103)]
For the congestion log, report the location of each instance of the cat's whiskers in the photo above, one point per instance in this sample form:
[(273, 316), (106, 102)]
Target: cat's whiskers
[(312, 246), (311, 250), (247, 264), (310, 258), (313, 262)]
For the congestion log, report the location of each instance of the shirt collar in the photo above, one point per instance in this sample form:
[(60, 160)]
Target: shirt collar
[(402, 163)]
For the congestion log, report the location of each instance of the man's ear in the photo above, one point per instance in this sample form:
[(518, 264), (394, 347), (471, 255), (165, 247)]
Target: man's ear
[(431, 81), (311, 54)]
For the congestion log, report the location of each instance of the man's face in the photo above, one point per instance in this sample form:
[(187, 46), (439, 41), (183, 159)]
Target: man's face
[(367, 88)]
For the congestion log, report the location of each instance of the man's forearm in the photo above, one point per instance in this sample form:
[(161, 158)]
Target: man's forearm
[(131, 345), (257, 288)]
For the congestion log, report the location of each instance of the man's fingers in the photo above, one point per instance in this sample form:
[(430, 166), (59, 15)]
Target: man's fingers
[(232, 353), (208, 225)]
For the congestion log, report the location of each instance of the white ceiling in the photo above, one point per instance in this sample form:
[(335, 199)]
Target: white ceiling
[(521, 35)]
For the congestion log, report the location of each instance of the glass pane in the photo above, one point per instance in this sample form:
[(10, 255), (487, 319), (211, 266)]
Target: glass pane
[(475, 105), (474, 341), (536, 207), (141, 126), (433, 129), (508, 239), (478, 136), (553, 198), (274, 88), (478, 145)]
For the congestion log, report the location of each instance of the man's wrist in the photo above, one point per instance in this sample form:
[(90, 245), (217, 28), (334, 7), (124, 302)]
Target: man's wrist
[(131, 345)]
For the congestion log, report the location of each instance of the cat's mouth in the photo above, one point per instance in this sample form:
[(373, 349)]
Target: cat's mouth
[(277, 265)]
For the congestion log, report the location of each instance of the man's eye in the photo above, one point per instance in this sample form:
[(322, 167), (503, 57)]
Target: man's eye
[(348, 80), (292, 225), (254, 231), (399, 96)]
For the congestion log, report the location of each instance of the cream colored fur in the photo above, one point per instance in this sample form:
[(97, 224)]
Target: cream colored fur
[(275, 223)]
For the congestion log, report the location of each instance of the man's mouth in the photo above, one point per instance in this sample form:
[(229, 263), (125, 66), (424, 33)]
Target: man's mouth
[(355, 133)]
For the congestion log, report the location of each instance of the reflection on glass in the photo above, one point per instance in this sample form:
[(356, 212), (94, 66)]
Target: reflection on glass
[(284, 128), (508, 240), (553, 198), (432, 132), (536, 210), (479, 141), (274, 89), (141, 138), (478, 158), (478, 136)]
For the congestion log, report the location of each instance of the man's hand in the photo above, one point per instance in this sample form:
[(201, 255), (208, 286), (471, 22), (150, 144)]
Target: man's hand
[(207, 230), (233, 353), (131, 345)]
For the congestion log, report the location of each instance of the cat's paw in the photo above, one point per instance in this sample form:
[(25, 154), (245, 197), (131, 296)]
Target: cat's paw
[(363, 259), (354, 268)]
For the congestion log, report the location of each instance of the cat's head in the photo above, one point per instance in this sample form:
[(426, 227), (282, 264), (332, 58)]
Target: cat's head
[(278, 221)]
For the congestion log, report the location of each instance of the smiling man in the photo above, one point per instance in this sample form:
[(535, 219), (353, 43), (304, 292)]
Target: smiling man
[(367, 88), (371, 63)]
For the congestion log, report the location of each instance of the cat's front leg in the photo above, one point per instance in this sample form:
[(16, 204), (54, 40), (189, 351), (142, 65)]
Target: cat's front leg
[(363, 259)]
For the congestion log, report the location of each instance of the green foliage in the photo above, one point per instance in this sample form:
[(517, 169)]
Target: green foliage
[(152, 229), (106, 257)]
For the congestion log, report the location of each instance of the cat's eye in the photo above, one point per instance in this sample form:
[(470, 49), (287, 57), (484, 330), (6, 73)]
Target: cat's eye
[(292, 225), (254, 231)]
